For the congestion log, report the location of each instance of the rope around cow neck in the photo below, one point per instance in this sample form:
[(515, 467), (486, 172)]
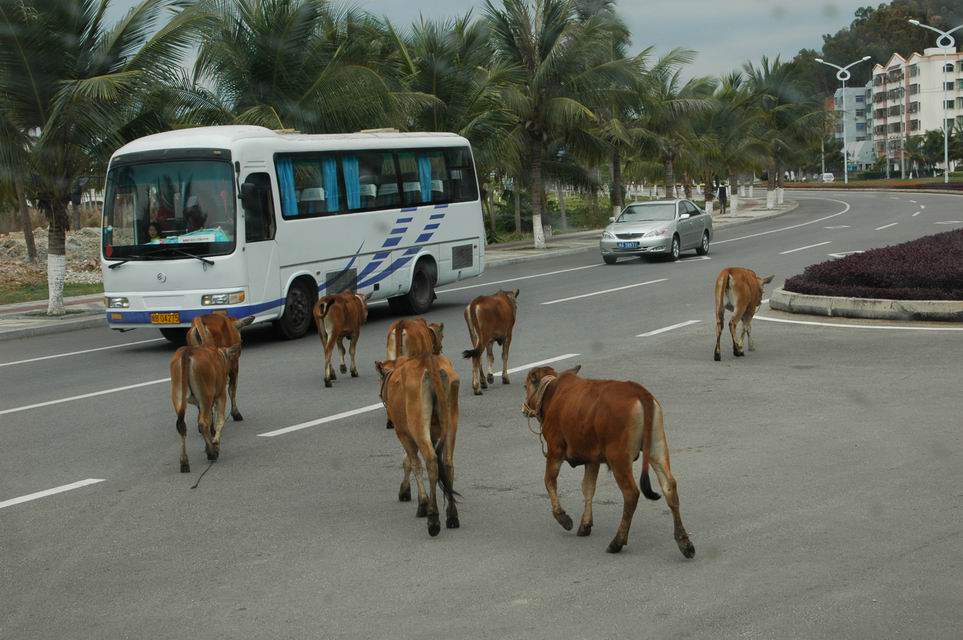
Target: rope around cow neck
[(536, 411)]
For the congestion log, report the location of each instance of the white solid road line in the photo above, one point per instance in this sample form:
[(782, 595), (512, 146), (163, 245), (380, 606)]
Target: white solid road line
[(50, 492), (916, 214), (669, 328), (782, 253), (913, 201), (858, 326), (77, 353), (598, 293), (534, 275), (375, 407), (795, 226), (886, 226), (82, 396), (837, 226)]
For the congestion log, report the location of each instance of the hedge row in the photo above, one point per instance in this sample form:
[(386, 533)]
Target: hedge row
[(928, 268)]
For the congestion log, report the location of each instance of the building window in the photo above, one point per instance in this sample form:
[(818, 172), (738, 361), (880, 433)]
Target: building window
[(914, 70), (860, 98), (948, 67), (914, 125), (860, 113), (950, 104), (860, 126), (914, 89), (949, 86)]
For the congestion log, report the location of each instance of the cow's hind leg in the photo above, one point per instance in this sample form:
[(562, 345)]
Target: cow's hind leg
[(182, 431), (588, 491), (232, 388), (506, 345), (491, 363), (720, 321), (659, 460), (747, 325), (404, 492), (412, 462), (354, 349), (621, 465), (219, 419), (419, 420), (552, 465), (329, 375), (205, 422), (733, 321), (343, 368)]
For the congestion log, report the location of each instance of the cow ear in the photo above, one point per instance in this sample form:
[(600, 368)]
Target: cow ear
[(516, 293), (767, 279), (379, 365), (574, 370), (441, 327)]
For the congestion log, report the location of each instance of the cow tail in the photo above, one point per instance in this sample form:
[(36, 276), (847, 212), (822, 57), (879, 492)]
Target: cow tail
[(180, 389), (444, 474), (476, 350), (399, 334), (649, 417), (197, 334), (324, 304)]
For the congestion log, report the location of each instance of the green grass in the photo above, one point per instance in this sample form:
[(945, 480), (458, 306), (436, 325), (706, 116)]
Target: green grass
[(11, 293)]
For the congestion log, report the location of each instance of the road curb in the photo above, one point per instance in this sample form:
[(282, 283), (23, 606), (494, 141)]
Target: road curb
[(934, 192), (52, 327), (793, 205), (867, 308), (549, 253)]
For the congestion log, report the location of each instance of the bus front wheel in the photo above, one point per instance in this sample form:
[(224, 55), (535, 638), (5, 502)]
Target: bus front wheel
[(175, 335), (422, 293), (298, 306)]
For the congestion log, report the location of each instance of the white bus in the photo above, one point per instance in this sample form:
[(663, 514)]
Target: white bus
[(261, 223)]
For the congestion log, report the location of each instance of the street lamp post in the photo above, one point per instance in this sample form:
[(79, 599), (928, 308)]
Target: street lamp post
[(944, 42), (843, 75)]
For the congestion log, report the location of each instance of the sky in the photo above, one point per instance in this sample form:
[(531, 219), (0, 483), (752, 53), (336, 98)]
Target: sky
[(725, 33)]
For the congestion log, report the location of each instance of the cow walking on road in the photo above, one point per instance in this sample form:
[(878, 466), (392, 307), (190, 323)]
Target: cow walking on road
[(490, 319), (337, 317), (421, 397), (740, 291), (590, 422), (414, 338), (222, 331)]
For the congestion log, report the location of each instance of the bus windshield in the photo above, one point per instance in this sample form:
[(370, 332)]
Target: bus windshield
[(164, 209)]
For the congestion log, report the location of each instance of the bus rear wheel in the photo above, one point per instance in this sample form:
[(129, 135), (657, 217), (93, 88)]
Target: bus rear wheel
[(175, 335), (422, 293), (298, 307)]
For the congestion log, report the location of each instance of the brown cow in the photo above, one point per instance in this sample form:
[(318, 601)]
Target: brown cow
[(416, 337), (421, 397), (199, 377), (740, 291), (337, 317), (223, 332), (490, 319), (594, 421)]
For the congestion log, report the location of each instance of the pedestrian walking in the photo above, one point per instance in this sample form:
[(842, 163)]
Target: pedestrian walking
[(723, 198)]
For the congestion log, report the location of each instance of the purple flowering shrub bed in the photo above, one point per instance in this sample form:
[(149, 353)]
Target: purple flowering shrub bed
[(928, 268)]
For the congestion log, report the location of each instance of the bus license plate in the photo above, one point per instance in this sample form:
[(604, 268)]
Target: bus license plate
[(165, 318), (628, 245)]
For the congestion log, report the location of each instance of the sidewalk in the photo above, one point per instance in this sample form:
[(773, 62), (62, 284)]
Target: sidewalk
[(29, 318)]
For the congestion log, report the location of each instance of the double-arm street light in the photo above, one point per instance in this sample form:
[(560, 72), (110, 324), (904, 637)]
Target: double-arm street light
[(843, 75), (944, 42)]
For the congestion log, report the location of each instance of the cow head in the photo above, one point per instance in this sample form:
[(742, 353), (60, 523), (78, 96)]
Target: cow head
[(437, 335), (511, 296), (762, 282)]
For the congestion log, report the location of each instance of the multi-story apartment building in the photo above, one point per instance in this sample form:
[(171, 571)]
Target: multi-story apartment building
[(908, 99), (857, 117)]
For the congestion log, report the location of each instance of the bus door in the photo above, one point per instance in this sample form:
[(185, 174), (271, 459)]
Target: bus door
[(260, 248)]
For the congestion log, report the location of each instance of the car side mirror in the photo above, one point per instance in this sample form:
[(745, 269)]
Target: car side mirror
[(684, 216), (611, 218)]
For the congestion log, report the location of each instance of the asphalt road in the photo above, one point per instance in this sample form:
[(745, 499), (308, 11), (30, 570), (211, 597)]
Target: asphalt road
[(819, 476)]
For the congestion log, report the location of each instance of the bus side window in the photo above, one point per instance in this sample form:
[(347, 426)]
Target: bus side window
[(259, 223), (462, 173)]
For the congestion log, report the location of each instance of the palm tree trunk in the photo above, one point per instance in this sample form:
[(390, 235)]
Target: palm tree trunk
[(616, 195), (537, 189), (56, 258), (669, 179), (25, 221), (771, 184), (561, 205), (687, 186), (491, 209), (518, 207), (733, 193), (780, 182)]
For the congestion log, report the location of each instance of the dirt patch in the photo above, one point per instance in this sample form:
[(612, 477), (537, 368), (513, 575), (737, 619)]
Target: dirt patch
[(83, 257)]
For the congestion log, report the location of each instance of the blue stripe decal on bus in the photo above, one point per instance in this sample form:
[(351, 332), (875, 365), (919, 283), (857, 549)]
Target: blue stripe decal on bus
[(409, 209), (433, 225), (391, 242), (412, 251), (425, 237), (390, 269), (401, 220), (441, 206), (398, 230), (437, 216), (381, 255)]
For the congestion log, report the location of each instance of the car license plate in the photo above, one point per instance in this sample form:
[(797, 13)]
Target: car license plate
[(165, 318), (628, 245)]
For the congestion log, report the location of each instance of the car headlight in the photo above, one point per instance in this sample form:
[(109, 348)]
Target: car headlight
[(608, 235), (235, 297), (116, 303), (655, 233)]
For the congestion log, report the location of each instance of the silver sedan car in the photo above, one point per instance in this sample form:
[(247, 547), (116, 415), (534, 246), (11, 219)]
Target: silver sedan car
[(661, 227)]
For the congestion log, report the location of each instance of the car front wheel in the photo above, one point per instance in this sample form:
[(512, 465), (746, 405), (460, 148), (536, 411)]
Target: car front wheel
[(704, 247), (609, 259), (675, 250)]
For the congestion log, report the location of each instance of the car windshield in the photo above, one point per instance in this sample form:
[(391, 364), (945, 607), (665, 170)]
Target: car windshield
[(657, 211), (163, 209)]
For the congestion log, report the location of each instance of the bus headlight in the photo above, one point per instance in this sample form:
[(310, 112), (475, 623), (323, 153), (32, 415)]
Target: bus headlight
[(116, 303), (211, 299)]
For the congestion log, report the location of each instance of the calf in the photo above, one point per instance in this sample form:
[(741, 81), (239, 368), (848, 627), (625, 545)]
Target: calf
[(590, 422), (421, 397), (221, 331), (415, 337), (199, 377), (337, 317), (490, 319), (740, 291)]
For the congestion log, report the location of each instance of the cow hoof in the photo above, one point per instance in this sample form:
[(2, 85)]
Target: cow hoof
[(389, 425), (422, 510), (564, 520), (211, 456), (185, 467), (685, 546), (584, 530), (343, 369), (505, 380), (491, 378), (717, 357), (404, 494), (434, 526), (452, 522), (334, 376), (327, 383), (477, 392), (484, 385), (354, 374), (237, 417), (614, 547)]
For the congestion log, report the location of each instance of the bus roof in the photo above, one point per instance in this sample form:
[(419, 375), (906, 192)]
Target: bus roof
[(226, 137)]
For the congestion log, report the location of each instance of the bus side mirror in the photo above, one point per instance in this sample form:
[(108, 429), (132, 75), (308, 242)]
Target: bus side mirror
[(249, 195)]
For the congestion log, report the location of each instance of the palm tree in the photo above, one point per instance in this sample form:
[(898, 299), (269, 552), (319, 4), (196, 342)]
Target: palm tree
[(557, 70), (71, 86)]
